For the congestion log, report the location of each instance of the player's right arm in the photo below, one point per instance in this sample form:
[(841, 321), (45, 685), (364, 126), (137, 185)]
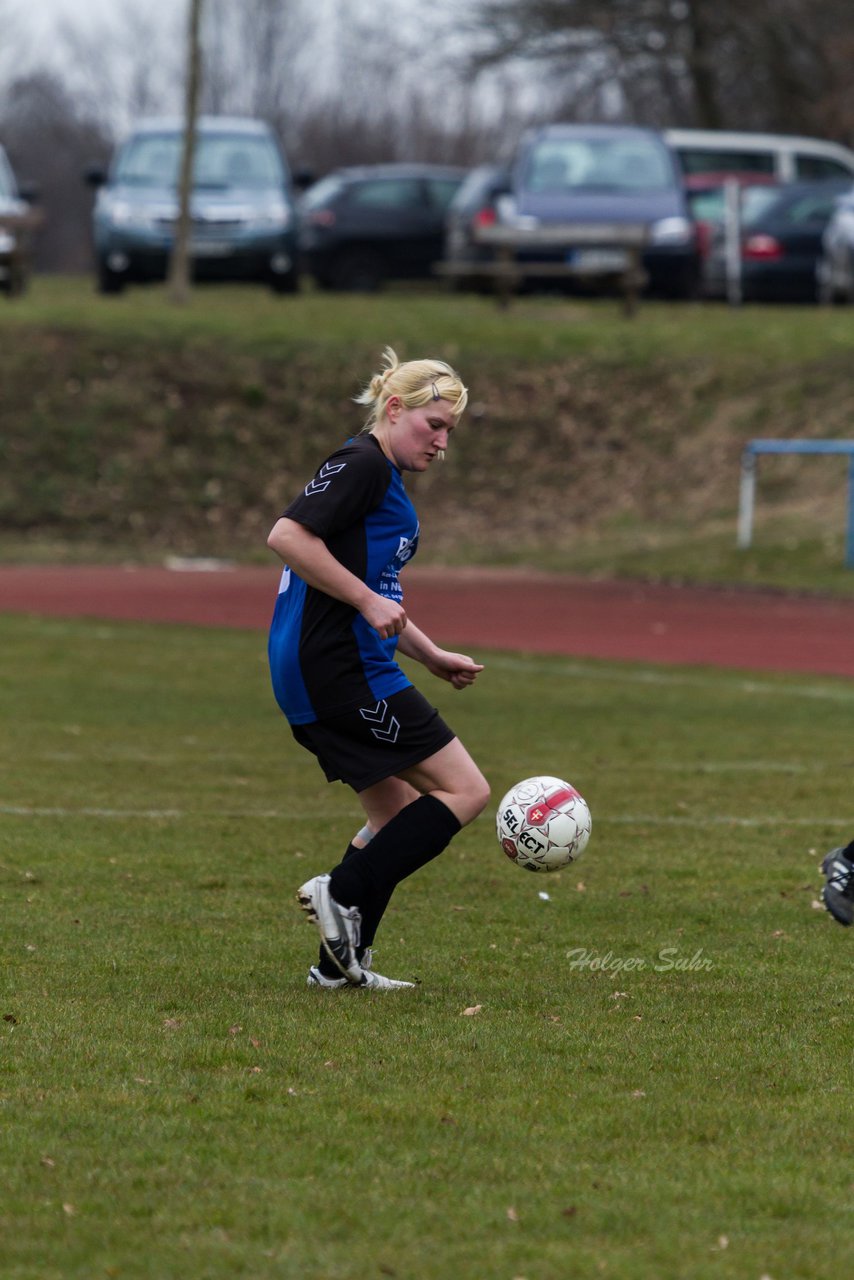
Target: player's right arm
[(308, 555)]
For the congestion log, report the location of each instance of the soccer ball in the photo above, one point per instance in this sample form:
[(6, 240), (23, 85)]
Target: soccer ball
[(543, 824)]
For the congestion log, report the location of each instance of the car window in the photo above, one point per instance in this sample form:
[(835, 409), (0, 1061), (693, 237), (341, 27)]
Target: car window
[(7, 182), (707, 206), (756, 199), (323, 192), (710, 206), (442, 191), (221, 161), (481, 186), (597, 164), (810, 209), (386, 193), (814, 168), (701, 160)]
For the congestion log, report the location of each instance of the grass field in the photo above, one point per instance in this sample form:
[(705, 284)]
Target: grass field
[(655, 1084), (594, 444)]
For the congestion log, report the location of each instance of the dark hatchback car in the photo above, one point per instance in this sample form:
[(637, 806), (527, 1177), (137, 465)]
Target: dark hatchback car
[(359, 227), (610, 175), (242, 208), (781, 244), (474, 206)]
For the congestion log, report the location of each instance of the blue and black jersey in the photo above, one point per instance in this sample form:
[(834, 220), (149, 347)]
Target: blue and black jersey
[(324, 658)]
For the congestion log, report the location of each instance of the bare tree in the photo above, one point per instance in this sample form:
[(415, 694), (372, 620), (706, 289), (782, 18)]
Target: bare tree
[(50, 141), (773, 64), (130, 67), (179, 262)]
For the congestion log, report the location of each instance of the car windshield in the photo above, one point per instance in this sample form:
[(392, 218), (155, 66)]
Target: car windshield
[(597, 164), (221, 161)]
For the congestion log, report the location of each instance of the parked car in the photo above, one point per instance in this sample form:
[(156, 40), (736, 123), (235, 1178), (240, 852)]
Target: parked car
[(835, 268), (242, 207), (17, 220), (781, 243), (787, 157), (612, 175), (706, 194), (362, 226)]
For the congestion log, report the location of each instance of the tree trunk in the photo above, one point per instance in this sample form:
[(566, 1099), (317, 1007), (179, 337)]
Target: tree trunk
[(700, 63), (179, 263)]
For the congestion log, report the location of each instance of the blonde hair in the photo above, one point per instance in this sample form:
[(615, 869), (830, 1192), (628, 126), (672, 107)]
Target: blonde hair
[(415, 383)]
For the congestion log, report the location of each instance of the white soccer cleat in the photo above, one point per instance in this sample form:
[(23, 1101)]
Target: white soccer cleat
[(376, 982), (317, 979), (339, 926), (370, 981)]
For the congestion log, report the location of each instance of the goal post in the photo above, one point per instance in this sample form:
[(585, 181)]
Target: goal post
[(747, 487)]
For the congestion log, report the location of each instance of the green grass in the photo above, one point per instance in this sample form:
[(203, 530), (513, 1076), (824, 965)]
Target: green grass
[(176, 1103), (595, 444), (532, 328)]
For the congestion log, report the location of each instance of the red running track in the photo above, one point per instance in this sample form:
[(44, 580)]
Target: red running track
[(479, 608)]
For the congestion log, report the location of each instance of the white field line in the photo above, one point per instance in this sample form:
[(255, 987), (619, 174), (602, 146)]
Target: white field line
[(625, 819), (649, 766), (841, 692)]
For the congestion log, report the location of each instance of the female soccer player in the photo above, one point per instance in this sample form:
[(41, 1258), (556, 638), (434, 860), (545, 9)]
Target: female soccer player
[(338, 623)]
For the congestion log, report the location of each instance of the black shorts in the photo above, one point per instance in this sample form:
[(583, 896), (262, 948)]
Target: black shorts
[(365, 746)]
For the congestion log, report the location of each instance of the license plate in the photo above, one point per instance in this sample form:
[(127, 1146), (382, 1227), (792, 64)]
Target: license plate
[(597, 260), (210, 248)]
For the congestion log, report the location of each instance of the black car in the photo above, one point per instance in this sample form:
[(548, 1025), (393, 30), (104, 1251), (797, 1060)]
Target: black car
[(781, 243), (359, 227)]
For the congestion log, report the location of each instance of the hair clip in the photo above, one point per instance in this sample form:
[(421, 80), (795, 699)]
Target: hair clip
[(435, 391)]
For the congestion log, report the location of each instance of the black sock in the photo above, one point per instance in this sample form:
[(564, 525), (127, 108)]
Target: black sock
[(324, 964), (372, 913), (367, 877)]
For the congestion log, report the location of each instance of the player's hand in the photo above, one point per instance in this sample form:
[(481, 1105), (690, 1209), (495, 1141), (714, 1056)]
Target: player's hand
[(387, 617), (457, 668)]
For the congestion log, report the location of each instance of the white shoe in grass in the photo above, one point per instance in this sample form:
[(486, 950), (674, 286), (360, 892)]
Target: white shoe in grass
[(339, 926)]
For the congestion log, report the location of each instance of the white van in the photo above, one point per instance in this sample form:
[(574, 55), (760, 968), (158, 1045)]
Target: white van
[(788, 157)]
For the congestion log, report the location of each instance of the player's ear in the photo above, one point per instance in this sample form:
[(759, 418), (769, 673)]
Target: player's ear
[(393, 406)]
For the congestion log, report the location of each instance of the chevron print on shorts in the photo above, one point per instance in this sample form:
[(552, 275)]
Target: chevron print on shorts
[(387, 726)]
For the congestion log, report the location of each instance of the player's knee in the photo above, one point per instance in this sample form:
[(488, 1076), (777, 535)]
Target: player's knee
[(478, 796)]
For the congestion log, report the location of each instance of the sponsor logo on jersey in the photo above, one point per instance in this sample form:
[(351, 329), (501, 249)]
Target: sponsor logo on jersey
[(407, 548)]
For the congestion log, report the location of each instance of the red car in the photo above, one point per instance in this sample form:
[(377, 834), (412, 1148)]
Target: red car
[(706, 195)]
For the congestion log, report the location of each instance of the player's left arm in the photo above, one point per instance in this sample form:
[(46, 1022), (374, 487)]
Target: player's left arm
[(457, 668)]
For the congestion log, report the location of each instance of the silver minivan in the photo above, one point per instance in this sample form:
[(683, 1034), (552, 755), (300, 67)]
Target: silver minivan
[(788, 157)]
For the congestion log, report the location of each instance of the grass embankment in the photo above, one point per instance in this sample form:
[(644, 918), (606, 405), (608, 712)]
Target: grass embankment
[(594, 445), (652, 1083)]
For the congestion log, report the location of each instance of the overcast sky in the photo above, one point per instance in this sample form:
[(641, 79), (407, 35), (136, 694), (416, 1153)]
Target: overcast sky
[(42, 35)]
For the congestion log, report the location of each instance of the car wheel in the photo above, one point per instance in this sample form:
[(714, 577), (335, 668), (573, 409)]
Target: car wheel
[(287, 283), (358, 271), (16, 283), (109, 281)]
